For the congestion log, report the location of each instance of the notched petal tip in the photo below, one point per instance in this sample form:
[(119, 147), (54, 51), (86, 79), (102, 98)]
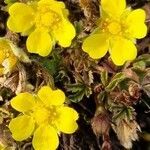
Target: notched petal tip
[(113, 8), (136, 23), (23, 102), (122, 50), (96, 45), (22, 127), (51, 97), (65, 33), (66, 122), (45, 138), (21, 17), (39, 42)]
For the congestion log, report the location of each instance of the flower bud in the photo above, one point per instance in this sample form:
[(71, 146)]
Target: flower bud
[(100, 122)]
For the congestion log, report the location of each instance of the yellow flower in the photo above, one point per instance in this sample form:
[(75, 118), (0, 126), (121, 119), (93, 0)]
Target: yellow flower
[(44, 21), (7, 58), (117, 30), (44, 116)]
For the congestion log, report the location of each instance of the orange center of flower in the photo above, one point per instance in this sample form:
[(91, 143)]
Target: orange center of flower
[(47, 18)]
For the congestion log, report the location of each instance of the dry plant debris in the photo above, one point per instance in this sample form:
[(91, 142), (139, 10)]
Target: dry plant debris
[(74, 74)]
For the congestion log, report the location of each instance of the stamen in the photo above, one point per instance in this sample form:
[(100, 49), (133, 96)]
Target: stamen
[(47, 18)]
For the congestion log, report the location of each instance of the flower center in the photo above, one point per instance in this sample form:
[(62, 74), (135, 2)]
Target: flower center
[(45, 115), (114, 28), (47, 18)]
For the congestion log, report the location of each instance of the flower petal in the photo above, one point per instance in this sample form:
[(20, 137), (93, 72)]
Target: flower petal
[(21, 17), (114, 8), (64, 33), (123, 50), (21, 127), (66, 121), (51, 97), (45, 138), (9, 64), (1, 71), (4, 46), (136, 24), (96, 45), (2, 56), (39, 42), (55, 5), (23, 102), (7, 58)]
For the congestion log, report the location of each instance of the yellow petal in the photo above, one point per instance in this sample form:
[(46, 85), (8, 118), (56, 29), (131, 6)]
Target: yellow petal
[(114, 8), (18, 53), (1, 71), (4, 49), (21, 17), (2, 56), (96, 45), (136, 24), (45, 138), (122, 51), (51, 97), (66, 122), (23, 102), (54, 4), (7, 57), (39, 42), (9, 64), (21, 127), (64, 33)]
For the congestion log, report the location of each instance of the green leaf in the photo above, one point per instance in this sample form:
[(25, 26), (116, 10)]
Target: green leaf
[(140, 64), (104, 77), (140, 73), (142, 61), (78, 26), (124, 84), (75, 87), (51, 64), (78, 91), (123, 113), (119, 77)]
